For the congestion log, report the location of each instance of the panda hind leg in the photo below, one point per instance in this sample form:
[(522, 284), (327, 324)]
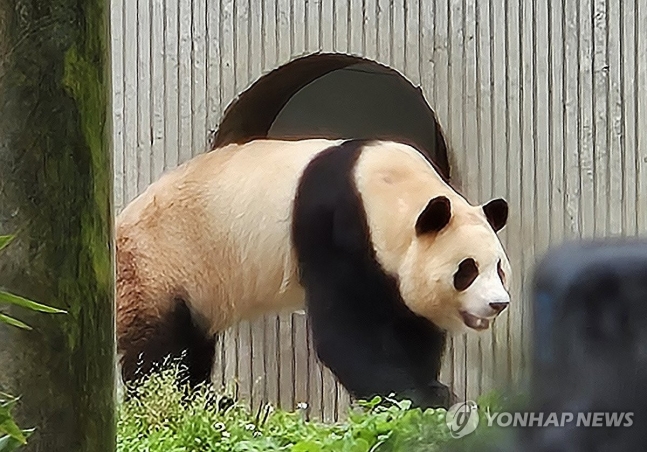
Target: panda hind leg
[(199, 354), (174, 337)]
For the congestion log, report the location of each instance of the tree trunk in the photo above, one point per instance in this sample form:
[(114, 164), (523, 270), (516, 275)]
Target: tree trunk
[(56, 195)]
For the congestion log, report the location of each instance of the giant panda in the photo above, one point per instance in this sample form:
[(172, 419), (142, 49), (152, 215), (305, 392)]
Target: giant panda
[(386, 255)]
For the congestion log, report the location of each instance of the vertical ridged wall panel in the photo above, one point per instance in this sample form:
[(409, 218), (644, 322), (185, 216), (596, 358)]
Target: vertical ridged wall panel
[(542, 102)]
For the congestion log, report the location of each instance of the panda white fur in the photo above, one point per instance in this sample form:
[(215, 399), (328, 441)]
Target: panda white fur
[(387, 256)]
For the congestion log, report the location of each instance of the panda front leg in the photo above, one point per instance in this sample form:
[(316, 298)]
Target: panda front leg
[(366, 354), (366, 370)]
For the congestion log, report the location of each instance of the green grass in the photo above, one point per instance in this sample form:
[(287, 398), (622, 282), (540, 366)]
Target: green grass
[(163, 418)]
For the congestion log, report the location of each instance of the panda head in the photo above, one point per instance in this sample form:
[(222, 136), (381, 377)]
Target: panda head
[(455, 272)]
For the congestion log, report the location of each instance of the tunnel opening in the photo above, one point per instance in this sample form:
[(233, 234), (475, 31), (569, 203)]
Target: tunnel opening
[(335, 96)]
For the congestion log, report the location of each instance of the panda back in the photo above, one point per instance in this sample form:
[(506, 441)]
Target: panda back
[(216, 230)]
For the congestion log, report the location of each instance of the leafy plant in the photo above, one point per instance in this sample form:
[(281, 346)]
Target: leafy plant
[(12, 437), (160, 416)]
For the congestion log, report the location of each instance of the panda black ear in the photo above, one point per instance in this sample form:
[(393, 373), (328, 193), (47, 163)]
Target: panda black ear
[(496, 212), (435, 216)]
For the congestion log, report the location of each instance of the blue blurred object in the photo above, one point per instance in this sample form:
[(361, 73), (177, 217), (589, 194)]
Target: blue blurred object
[(569, 267), (590, 344)]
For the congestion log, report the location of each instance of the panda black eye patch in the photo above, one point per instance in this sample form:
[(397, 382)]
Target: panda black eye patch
[(466, 274)]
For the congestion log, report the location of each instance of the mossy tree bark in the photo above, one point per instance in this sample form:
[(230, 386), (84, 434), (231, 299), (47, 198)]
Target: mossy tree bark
[(56, 193)]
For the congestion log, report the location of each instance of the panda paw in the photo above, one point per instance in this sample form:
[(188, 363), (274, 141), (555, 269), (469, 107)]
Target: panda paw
[(440, 396)]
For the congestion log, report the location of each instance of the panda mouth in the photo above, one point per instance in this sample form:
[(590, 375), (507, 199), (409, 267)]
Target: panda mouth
[(474, 322)]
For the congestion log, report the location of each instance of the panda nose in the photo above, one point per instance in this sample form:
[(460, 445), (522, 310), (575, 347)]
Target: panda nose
[(499, 306)]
